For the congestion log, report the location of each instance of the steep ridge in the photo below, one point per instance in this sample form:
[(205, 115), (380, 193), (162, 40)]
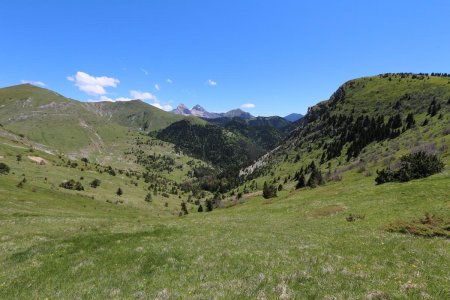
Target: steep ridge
[(367, 123)]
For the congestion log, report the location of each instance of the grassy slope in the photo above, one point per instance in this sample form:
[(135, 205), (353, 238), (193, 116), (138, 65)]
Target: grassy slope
[(298, 245), (98, 130)]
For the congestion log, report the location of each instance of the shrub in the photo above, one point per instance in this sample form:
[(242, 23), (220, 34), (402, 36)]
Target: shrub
[(269, 191), (184, 208), (95, 183), (119, 192), (4, 168), (412, 166), (209, 205), (148, 197), (200, 208), (72, 185)]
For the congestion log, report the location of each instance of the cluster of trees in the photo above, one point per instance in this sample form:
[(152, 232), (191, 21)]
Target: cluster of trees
[(72, 185), (265, 132), (227, 151), (315, 177), (413, 75), (412, 166), (155, 163), (361, 132)]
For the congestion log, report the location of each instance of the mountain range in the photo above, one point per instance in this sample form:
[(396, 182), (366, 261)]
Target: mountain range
[(199, 111)]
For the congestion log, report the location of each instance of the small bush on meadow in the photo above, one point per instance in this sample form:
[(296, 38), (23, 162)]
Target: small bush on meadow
[(95, 183), (4, 168), (72, 185)]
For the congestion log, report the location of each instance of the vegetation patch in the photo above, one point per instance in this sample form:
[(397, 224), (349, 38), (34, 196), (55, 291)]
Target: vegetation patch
[(72, 185), (4, 168), (412, 166), (327, 210), (428, 226)]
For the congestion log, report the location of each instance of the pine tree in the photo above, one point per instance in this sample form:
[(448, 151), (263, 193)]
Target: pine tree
[(184, 208), (301, 182), (119, 192), (315, 179), (269, 191), (200, 208), (410, 122), (209, 205)]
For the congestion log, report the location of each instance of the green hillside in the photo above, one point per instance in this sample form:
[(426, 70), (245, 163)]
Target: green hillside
[(179, 228), (364, 125), (101, 131), (136, 114)]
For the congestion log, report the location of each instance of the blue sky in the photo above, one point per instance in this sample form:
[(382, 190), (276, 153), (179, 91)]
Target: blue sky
[(280, 56)]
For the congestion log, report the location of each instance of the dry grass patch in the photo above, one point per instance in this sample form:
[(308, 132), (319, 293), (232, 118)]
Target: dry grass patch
[(327, 210), (428, 226)]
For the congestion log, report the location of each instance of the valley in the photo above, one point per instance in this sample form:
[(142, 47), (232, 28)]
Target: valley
[(227, 207)]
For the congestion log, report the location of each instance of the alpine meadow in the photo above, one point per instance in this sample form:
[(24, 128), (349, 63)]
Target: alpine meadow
[(111, 190)]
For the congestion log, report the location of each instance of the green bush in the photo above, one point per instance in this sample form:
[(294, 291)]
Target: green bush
[(412, 166), (72, 185), (4, 168), (95, 183), (148, 197)]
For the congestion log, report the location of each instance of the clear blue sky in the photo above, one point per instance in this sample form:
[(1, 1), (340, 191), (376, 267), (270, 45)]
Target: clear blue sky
[(281, 56)]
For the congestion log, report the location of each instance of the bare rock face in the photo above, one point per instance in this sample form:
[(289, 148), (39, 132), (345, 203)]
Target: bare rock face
[(200, 112)]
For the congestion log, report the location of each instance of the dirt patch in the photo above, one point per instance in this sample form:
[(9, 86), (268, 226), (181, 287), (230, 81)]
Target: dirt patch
[(327, 210), (1, 157), (37, 159)]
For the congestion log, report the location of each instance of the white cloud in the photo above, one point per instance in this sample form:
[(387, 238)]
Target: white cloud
[(163, 107), (38, 83), (211, 82), (143, 95), (144, 71), (248, 105), (92, 85), (169, 81), (157, 87), (134, 94), (123, 99), (106, 98)]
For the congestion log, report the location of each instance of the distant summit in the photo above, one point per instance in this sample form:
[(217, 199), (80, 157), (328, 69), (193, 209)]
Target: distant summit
[(199, 111), (293, 117)]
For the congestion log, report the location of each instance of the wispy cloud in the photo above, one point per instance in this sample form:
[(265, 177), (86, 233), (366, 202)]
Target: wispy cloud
[(142, 95), (211, 82), (169, 81), (163, 107), (157, 87), (92, 85), (144, 71), (37, 83), (248, 105)]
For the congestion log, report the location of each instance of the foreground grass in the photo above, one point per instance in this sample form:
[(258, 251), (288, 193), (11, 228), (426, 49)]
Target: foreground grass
[(298, 245)]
